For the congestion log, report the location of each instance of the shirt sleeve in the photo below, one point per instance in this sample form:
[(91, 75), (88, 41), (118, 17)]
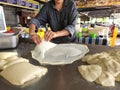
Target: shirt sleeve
[(41, 17), (72, 20)]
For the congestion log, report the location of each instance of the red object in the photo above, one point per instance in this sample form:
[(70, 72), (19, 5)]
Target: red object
[(10, 31)]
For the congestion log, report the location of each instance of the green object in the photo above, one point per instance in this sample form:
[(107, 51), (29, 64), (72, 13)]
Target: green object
[(93, 35), (84, 29), (79, 34)]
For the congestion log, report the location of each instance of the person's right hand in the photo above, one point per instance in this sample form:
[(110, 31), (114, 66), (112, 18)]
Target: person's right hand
[(36, 39)]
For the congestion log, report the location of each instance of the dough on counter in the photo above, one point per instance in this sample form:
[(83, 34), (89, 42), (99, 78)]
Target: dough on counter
[(106, 79), (41, 48), (113, 67), (4, 55), (62, 54), (11, 58), (95, 58), (115, 54), (117, 78), (22, 72), (9, 63), (90, 72), (2, 63)]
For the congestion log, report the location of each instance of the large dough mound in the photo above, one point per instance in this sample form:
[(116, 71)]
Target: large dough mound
[(90, 72), (106, 79), (22, 72)]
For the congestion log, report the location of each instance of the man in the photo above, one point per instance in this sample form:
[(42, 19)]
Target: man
[(61, 16)]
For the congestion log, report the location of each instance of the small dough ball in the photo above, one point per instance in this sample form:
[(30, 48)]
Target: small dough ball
[(90, 72)]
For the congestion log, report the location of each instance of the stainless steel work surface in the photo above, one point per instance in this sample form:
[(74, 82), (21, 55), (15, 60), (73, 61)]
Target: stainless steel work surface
[(59, 77)]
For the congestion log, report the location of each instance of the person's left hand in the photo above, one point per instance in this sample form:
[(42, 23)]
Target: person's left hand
[(49, 35)]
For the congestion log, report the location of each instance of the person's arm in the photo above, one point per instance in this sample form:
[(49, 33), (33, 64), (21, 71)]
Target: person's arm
[(72, 21), (50, 34), (40, 19), (69, 29), (33, 35)]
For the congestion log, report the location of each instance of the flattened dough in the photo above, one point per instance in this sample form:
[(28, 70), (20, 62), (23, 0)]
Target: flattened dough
[(62, 54), (41, 48), (90, 72), (95, 58), (11, 58), (22, 72), (4, 55), (10, 63), (113, 67), (106, 79), (117, 78)]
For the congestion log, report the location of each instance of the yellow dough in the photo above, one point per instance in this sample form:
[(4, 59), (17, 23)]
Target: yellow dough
[(22, 72), (106, 79), (90, 72), (4, 55)]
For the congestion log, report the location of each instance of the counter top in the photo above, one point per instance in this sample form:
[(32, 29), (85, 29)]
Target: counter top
[(58, 77)]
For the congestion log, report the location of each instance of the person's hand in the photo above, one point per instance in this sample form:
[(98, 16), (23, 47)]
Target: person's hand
[(36, 39), (49, 35)]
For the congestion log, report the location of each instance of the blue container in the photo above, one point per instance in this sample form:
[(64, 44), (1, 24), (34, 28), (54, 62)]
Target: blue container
[(97, 41), (83, 40), (89, 40)]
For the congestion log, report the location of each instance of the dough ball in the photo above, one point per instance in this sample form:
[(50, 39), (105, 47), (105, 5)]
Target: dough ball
[(90, 72)]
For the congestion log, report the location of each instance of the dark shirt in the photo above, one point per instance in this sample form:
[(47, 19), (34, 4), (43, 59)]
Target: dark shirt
[(58, 20)]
